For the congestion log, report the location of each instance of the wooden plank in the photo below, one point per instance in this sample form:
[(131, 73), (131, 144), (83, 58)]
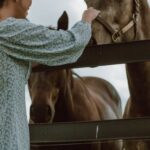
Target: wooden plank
[(90, 131), (108, 54)]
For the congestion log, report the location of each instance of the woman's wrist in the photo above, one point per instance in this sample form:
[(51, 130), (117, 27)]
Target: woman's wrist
[(90, 14), (87, 21)]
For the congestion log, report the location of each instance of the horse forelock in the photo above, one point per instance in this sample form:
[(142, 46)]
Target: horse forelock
[(66, 82), (48, 89)]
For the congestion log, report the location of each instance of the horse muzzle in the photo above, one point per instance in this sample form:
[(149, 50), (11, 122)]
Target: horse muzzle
[(40, 113)]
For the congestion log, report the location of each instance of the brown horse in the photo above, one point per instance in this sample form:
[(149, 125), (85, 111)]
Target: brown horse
[(121, 21), (57, 96)]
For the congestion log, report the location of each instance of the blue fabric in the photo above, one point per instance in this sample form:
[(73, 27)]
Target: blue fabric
[(22, 43)]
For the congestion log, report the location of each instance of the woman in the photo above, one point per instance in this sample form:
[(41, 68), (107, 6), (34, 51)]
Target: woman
[(22, 43)]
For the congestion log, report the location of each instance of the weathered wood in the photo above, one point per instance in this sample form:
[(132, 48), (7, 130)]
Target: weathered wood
[(60, 133), (107, 55)]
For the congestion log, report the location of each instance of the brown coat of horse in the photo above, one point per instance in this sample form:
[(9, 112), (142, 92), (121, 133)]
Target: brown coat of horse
[(57, 96), (118, 13)]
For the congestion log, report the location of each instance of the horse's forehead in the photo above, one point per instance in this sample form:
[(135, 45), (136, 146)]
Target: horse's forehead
[(50, 78), (53, 77), (44, 75)]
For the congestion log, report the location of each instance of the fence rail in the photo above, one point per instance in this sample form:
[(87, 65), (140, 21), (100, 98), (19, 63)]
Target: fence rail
[(107, 55), (90, 131)]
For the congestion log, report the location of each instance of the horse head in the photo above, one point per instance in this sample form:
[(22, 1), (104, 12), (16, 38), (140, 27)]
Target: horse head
[(119, 20), (49, 90)]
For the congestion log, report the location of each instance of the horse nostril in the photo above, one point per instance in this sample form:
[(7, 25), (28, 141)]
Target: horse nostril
[(40, 113)]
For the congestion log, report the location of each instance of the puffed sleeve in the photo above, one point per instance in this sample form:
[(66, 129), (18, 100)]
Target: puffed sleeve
[(35, 43)]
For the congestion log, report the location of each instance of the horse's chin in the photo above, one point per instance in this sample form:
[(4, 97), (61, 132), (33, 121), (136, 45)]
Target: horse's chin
[(32, 122)]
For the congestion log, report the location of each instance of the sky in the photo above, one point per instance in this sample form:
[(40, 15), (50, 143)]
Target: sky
[(47, 12)]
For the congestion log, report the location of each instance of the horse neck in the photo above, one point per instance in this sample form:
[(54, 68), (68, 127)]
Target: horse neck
[(138, 73), (145, 18), (126, 10)]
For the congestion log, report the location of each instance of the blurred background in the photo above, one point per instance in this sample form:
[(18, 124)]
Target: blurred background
[(47, 12)]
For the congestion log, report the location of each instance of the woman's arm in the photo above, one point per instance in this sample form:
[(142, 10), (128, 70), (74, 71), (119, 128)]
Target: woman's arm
[(24, 40)]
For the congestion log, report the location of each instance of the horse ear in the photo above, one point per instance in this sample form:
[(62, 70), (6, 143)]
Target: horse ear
[(63, 21)]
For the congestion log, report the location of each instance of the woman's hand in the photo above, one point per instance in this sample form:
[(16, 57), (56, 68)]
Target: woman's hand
[(90, 14)]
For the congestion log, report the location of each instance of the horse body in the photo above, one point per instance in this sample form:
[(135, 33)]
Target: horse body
[(73, 99), (117, 14), (92, 99)]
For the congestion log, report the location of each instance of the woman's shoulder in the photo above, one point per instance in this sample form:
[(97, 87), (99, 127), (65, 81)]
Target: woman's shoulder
[(12, 25), (12, 21), (16, 22)]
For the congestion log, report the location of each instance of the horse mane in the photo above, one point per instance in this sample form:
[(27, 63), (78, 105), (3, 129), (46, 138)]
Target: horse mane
[(64, 103)]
